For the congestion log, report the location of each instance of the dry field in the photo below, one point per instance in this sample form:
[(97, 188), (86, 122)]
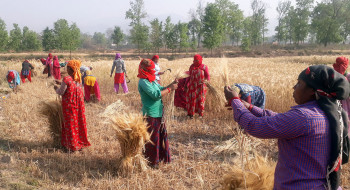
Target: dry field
[(199, 156)]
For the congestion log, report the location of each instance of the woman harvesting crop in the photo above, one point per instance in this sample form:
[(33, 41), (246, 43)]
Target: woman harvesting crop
[(312, 136), (74, 133), (152, 106)]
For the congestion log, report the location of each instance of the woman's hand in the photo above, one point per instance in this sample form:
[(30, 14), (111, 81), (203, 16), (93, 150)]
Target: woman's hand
[(58, 82), (110, 75), (246, 104), (173, 86), (230, 93)]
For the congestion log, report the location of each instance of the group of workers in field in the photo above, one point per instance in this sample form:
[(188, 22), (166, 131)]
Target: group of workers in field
[(313, 139)]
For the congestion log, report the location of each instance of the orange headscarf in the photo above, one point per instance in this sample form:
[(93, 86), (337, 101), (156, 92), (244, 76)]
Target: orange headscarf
[(75, 65)]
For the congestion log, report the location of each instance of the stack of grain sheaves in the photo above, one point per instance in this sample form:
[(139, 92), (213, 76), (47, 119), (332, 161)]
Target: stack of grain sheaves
[(52, 109), (132, 135)]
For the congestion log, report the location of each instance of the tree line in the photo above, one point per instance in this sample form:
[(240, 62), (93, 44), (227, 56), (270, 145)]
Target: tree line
[(212, 25)]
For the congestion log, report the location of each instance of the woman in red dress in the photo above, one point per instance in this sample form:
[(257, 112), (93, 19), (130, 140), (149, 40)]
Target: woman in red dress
[(196, 90), (74, 134)]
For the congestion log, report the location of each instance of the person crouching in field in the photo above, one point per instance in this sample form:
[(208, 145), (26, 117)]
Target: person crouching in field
[(120, 74), (83, 70), (26, 71), (152, 107), (196, 90), (74, 132), (252, 94), (13, 80), (56, 71), (341, 65), (91, 87), (312, 136)]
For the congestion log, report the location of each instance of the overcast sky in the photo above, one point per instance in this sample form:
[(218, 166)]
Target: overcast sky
[(99, 15)]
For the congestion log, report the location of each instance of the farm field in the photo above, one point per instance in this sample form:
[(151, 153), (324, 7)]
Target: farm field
[(200, 152)]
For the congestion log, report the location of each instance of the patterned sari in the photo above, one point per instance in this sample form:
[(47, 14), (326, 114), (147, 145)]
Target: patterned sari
[(196, 90), (74, 133)]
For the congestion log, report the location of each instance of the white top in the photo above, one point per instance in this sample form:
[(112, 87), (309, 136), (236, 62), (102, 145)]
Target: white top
[(157, 68)]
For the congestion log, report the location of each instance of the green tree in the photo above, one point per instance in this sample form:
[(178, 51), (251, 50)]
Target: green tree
[(15, 38), (197, 17), (3, 35), (345, 27), (74, 34), (259, 22), (170, 35), (194, 28), (246, 34), (282, 29), (326, 22), (235, 23), (156, 34), (86, 41), (139, 31), (300, 20), (48, 39), (67, 37), (182, 31), (100, 40), (213, 27), (31, 41), (117, 36)]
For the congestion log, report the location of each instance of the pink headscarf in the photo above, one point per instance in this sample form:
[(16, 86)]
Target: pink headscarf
[(118, 56)]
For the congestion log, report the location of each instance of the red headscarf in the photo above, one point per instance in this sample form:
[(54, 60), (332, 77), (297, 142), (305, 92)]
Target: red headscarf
[(50, 55), (56, 63), (155, 57), (197, 60), (10, 76), (146, 70), (43, 61), (341, 64)]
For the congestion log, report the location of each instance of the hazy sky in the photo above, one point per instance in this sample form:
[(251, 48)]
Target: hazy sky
[(99, 15)]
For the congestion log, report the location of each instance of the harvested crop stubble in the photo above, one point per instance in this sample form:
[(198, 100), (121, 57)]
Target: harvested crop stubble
[(259, 175), (53, 110), (131, 131)]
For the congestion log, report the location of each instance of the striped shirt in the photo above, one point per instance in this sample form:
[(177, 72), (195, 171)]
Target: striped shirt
[(303, 142)]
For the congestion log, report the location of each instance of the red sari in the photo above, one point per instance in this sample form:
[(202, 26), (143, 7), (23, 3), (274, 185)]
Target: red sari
[(196, 89), (74, 135)]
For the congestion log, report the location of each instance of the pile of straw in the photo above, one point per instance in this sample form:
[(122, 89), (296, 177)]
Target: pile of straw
[(215, 101), (112, 110), (131, 131), (53, 111), (258, 175)]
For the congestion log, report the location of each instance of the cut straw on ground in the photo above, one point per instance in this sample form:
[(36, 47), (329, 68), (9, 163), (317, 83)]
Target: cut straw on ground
[(258, 175)]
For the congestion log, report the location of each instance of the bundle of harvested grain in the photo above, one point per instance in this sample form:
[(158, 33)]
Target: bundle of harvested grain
[(258, 175), (131, 131), (215, 101), (53, 111)]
